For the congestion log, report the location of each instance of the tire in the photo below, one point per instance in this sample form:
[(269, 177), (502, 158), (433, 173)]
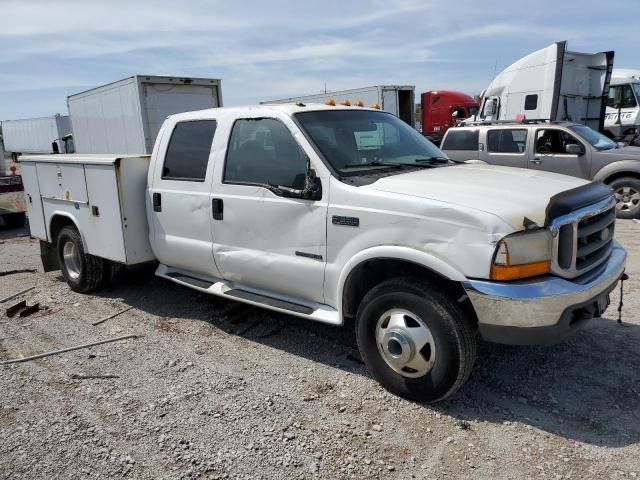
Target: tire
[(83, 272), (627, 191), (113, 272), (450, 350), (15, 220)]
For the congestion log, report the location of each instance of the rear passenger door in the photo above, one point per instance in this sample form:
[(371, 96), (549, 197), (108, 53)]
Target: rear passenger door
[(505, 146), (461, 144), (181, 199)]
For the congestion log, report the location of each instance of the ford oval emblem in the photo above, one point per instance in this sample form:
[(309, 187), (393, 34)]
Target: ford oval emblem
[(604, 235)]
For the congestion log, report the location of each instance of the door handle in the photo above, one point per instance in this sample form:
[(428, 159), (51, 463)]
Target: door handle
[(536, 161), (217, 206), (157, 202)]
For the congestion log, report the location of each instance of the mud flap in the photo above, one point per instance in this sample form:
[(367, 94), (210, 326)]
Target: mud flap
[(49, 257)]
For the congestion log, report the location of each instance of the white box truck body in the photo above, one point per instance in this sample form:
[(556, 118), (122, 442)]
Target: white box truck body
[(35, 135), (395, 99), (125, 116), (551, 84)]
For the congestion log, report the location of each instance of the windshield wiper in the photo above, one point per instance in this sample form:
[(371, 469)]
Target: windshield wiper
[(433, 159), (373, 164)]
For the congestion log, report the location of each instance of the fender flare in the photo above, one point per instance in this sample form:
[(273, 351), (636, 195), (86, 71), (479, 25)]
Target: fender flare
[(632, 167), (61, 213), (394, 252)]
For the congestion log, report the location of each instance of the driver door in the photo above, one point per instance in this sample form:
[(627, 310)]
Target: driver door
[(549, 146), (263, 240)]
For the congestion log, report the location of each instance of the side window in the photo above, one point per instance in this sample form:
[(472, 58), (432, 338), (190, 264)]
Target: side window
[(531, 102), (262, 151), (623, 95), (460, 140), (553, 141), (506, 140), (188, 151)]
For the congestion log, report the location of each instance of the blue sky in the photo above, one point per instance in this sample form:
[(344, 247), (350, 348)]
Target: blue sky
[(273, 49)]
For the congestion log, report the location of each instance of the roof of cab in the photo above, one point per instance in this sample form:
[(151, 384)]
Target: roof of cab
[(286, 108)]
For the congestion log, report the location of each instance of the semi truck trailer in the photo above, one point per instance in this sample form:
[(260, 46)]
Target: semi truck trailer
[(395, 99)]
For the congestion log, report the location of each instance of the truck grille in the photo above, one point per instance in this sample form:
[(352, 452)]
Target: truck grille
[(583, 239)]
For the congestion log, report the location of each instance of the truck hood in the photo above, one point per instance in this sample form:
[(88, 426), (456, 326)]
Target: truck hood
[(510, 193), (629, 153)]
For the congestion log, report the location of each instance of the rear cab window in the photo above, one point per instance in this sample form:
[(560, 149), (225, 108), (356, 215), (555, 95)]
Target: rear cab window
[(188, 151)]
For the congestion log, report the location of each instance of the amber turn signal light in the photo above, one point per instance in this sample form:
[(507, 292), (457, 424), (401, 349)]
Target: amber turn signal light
[(516, 272)]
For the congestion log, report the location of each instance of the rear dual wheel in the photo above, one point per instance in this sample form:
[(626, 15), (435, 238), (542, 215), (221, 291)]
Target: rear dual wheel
[(417, 342), (83, 272)]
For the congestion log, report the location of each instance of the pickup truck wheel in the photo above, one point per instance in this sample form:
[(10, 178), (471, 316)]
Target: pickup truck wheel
[(416, 342), (14, 220), (627, 192), (83, 272)]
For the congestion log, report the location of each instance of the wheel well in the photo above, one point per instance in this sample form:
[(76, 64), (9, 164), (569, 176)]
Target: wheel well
[(615, 176), (58, 222), (370, 273)]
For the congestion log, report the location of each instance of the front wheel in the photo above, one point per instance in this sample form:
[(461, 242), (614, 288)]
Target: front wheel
[(416, 342), (627, 192), (83, 272)]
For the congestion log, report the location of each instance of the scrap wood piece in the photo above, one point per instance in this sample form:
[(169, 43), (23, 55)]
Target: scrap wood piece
[(13, 309), (6, 299), (29, 309), (68, 349), (111, 316), (13, 272), (76, 376)]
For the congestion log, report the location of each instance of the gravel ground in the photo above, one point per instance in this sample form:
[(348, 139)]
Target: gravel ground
[(210, 389)]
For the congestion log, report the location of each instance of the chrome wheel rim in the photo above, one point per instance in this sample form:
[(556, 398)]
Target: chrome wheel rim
[(405, 343), (627, 198), (71, 257)]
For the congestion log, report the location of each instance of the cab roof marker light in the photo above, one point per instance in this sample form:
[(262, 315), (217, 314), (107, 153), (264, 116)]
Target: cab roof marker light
[(331, 102)]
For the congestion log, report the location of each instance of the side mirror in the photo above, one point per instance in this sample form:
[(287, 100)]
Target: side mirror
[(312, 185), (455, 114), (574, 149)]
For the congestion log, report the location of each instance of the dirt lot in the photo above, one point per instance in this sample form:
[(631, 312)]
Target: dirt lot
[(209, 390)]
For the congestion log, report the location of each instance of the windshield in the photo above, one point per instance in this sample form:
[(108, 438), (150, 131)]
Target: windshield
[(356, 142), (636, 87), (595, 139), (473, 111)]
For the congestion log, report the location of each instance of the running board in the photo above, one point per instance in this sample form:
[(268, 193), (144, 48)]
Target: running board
[(222, 288)]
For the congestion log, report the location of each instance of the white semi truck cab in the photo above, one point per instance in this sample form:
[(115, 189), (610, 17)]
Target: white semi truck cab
[(334, 213), (622, 118)]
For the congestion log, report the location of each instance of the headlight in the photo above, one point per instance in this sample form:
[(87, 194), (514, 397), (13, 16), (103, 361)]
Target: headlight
[(522, 255)]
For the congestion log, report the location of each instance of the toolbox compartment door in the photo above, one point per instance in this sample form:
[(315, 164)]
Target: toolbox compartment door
[(33, 201)]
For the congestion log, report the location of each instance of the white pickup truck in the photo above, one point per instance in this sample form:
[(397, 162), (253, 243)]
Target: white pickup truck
[(332, 213)]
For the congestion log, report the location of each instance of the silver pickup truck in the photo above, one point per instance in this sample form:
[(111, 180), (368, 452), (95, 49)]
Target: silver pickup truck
[(560, 147)]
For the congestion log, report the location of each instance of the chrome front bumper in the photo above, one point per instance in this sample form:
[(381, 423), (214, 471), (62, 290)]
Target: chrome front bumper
[(546, 309)]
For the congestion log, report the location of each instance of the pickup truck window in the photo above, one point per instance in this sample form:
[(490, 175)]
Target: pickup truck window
[(552, 141), (506, 140), (188, 151), (262, 151), (357, 142), (461, 140)]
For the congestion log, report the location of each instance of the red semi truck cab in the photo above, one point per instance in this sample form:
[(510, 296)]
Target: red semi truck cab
[(441, 109)]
